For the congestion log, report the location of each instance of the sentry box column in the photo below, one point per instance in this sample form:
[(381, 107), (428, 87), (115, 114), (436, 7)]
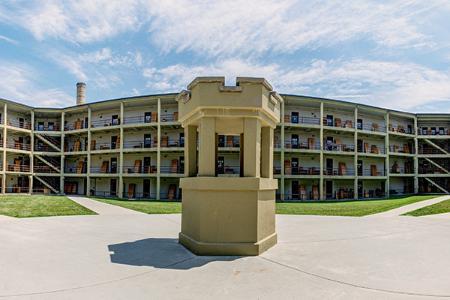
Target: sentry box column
[(228, 215)]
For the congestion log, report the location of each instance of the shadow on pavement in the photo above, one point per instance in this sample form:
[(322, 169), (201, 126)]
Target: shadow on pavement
[(163, 253)]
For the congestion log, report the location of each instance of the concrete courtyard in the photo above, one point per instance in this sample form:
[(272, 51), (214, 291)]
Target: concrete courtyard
[(123, 255)]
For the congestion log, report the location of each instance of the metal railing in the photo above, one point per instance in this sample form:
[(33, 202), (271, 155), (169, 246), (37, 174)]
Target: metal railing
[(339, 147), (138, 120), (26, 124), (401, 170), (371, 172), (301, 170), (140, 169), (171, 143), (106, 194), (434, 131), (140, 196), (432, 150), (75, 170), (338, 123), (17, 189), (105, 146), (101, 170), (401, 129), (293, 144), (47, 127), (401, 149), (139, 144), (18, 168), (69, 127), (171, 170), (173, 117), (302, 120), (347, 171), (228, 171), (374, 149), (372, 127), (18, 146), (432, 170), (44, 169), (105, 123)]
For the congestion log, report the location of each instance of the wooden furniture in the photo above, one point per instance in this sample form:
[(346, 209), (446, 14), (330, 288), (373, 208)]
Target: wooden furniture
[(373, 170), (105, 167), (375, 127), (337, 122), (172, 193), (315, 192), (348, 124), (303, 192), (93, 144), (164, 141), (342, 169), (287, 118), (374, 149), (174, 166), (366, 147), (175, 116), (311, 143), (131, 190), (77, 146), (154, 116), (287, 167), (80, 165), (229, 141)]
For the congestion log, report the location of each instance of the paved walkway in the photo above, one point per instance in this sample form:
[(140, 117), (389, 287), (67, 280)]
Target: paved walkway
[(103, 208), (407, 208)]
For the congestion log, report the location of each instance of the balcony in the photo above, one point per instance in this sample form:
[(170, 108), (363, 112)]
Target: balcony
[(296, 119), (372, 127), (78, 169), (401, 170), (140, 144), (405, 149), (77, 125), (104, 169), (104, 146), (17, 189), (173, 117), (373, 149), (18, 146), (18, 168), (330, 121), (139, 196), (290, 170), (310, 144), (172, 170), (434, 131), (148, 119), (105, 123), (167, 142), (408, 129), (371, 172)]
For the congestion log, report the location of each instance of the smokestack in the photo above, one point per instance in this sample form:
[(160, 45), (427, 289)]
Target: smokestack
[(81, 93)]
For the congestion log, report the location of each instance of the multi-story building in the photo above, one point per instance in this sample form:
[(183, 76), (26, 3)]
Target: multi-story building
[(134, 148)]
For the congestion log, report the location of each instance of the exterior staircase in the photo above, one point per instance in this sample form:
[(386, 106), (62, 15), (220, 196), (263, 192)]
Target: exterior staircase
[(50, 140), (52, 183)]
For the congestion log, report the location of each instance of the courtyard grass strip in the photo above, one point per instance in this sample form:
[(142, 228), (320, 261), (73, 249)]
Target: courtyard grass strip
[(434, 209), (357, 208), (145, 206), (26, 206)]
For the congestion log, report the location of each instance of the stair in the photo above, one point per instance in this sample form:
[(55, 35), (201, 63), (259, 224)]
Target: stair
[(52, 162), (53, 183), (50, 140), (437, 185), (437, 165)]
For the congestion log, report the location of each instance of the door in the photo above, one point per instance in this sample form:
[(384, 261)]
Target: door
[(360, 189), (113, 165), (114, 142), (113, 187), (329, 189), (181, 139), (115, 120), (294, 141), (147, 117), (86, 123), (40, 126), (329, 166), (220, 164), (359, 124), (221, 141), (294, 117), (147, 164), (21, 122), (295, 190), (51, 126), (147, 140), (146, 189), (294, 166), (330, 120), (360, 167), (360, 145), (329, 143), (181, 165)]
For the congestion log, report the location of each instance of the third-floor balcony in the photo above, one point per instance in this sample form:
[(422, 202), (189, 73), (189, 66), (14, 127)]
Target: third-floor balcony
[(20, 123), (333, 147)]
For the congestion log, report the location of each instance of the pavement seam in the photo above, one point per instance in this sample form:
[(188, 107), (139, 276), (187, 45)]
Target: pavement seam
[(352, 284)]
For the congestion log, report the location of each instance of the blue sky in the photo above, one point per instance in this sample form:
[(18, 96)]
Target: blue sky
[(394, 54)]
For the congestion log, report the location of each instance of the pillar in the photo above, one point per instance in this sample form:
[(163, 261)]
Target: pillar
[(266, 152), (207, 147), (321, 181), (5, 136), (88, 163), (190, 151), (252, 147), (121, 137)]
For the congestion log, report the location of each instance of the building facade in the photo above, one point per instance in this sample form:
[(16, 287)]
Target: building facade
[(134, 148)]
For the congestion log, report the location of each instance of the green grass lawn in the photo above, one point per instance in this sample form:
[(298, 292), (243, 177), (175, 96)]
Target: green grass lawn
[(349, 208), (438, 208), (148, 207), (22, 206)]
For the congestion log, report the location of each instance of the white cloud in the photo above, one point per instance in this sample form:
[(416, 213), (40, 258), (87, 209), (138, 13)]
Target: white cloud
[(18, 84), (387, 84)]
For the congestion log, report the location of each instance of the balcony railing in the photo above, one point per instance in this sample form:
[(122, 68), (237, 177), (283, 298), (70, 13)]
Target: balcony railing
[(103, 193), (295, 144), (374, 149), (77, 125), (432, 170), (432, 151), (375, 127), (228, 171), (338, 123), (171, 170), (103, 170), (105, 123), (105, 146), (406, 149), (47, 127), (18, 146), (173, 117), (301, 171), (401, 170), (140, 196), (371, 172), (171, 143), (401, 129), (140, 144), (347, 171), (339, 147), (75, 169), (18, 168), (44, 169), (302, 120), (25, 124), (140, 169), (434, 131), (138, 120), (17, 189)]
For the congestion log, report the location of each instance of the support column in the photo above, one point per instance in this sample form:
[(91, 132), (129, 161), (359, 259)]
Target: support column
[(61, 174), (267, 152), (386, 146), (416, 158), (121, 152), (30, 184), (252, 147), (355, 163), (321, 189), (207, 147), (5, 138), (282, 191), (190, 151), (88, 163), (158, 152)]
